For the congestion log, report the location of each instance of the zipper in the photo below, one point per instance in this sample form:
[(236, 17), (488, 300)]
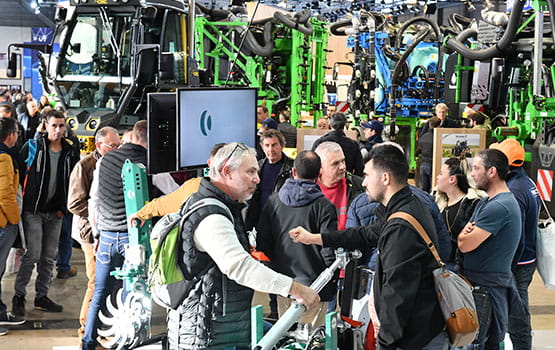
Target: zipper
[(224, 294), (40, 164)]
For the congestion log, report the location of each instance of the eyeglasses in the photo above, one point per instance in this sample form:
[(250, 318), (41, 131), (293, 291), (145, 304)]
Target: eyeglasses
[(240, 146), (111, 146)]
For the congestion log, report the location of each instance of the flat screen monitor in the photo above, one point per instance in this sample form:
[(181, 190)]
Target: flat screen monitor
[(213, 115), (162, 132)]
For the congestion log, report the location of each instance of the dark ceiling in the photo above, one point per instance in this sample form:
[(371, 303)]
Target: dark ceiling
[(18, 13)]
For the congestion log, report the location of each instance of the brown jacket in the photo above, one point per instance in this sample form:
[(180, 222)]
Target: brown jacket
[(78, 199), (9, 182)]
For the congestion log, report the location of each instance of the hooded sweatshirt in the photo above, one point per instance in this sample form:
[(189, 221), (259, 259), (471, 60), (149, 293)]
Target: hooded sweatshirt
[(298, 203)]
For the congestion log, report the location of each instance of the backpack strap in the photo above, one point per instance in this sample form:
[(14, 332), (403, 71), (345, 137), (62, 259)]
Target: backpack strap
[(187, 208), (418, 227), (31, 153)]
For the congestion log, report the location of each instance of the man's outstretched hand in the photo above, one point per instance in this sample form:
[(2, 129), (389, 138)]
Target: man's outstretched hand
[(300, 235)]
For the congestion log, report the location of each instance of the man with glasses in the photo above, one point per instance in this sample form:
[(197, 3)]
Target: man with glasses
[(45, 187), (215, 314), (107, 212), (107, 139)]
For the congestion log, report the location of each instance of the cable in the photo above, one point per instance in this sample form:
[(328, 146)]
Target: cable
[(242, 42)]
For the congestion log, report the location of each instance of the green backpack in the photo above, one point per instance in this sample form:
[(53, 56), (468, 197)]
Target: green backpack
[(166, 280)]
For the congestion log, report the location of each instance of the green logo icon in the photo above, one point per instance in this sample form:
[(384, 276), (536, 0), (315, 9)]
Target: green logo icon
[(205, 123)]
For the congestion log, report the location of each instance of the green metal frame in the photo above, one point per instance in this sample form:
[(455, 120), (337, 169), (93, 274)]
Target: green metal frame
[(300, 73)]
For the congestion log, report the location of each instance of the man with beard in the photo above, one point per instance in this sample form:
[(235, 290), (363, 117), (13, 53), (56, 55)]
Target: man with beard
[(404, 292), (489, 243)]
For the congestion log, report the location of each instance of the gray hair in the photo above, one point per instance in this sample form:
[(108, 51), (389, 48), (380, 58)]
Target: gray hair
[(327, 147), (102, 133), (230, 154)]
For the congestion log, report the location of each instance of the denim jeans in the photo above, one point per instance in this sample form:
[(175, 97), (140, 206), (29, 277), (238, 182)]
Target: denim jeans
[(65, 245), (42, 232), (439, 342), (110, 254), (520, 329), (7, 237)]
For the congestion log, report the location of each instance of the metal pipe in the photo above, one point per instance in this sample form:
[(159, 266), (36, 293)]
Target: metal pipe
[(191, 29), (538, 52)]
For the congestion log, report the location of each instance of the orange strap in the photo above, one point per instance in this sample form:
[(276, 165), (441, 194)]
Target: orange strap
[(412, 220)]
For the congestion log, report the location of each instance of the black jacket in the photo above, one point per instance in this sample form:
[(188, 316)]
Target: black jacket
[(298, 203), (351, 150), (426, 146), (447, 123), (36, 189), (254, 209), (404, 291), (216, 313)]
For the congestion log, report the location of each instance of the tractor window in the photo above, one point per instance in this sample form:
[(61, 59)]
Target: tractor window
[(173, 38)]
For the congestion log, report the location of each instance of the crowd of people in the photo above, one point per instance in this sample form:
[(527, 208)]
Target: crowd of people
[(338, 194)]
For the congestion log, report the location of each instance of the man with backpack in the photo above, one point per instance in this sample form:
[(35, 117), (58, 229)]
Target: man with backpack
[(404, 291), (45, 164), (215, 251)]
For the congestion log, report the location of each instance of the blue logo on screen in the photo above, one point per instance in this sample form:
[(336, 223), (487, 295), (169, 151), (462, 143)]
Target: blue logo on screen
[(205, 123)]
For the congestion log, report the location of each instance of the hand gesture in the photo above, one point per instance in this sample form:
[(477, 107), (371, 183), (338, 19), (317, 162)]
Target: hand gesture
[(300, 235)]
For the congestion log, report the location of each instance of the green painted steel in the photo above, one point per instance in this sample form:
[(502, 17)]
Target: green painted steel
[(294, 72)]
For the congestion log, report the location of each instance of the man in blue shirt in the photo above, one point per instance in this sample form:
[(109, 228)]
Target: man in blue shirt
[(524, 263), (488, 243)]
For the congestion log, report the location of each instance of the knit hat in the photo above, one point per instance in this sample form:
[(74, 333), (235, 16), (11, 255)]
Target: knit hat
[(512, 149)]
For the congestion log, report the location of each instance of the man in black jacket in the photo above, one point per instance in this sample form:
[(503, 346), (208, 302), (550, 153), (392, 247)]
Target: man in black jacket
[(300, 202), (351, 150), (404, 292), (273, 171), (45, 187)]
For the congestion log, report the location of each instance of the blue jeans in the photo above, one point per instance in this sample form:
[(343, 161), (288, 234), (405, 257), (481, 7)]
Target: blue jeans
[(520, 329), (110, 254), (42, 232), (439, 342), (8, 235), (65, 245)]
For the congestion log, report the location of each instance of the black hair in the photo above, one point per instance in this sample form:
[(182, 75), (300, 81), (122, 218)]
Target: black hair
[(53, 114), (308, 165), (390, 159), (7, 127), (494, 158), (338, 121), (455, 169)]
